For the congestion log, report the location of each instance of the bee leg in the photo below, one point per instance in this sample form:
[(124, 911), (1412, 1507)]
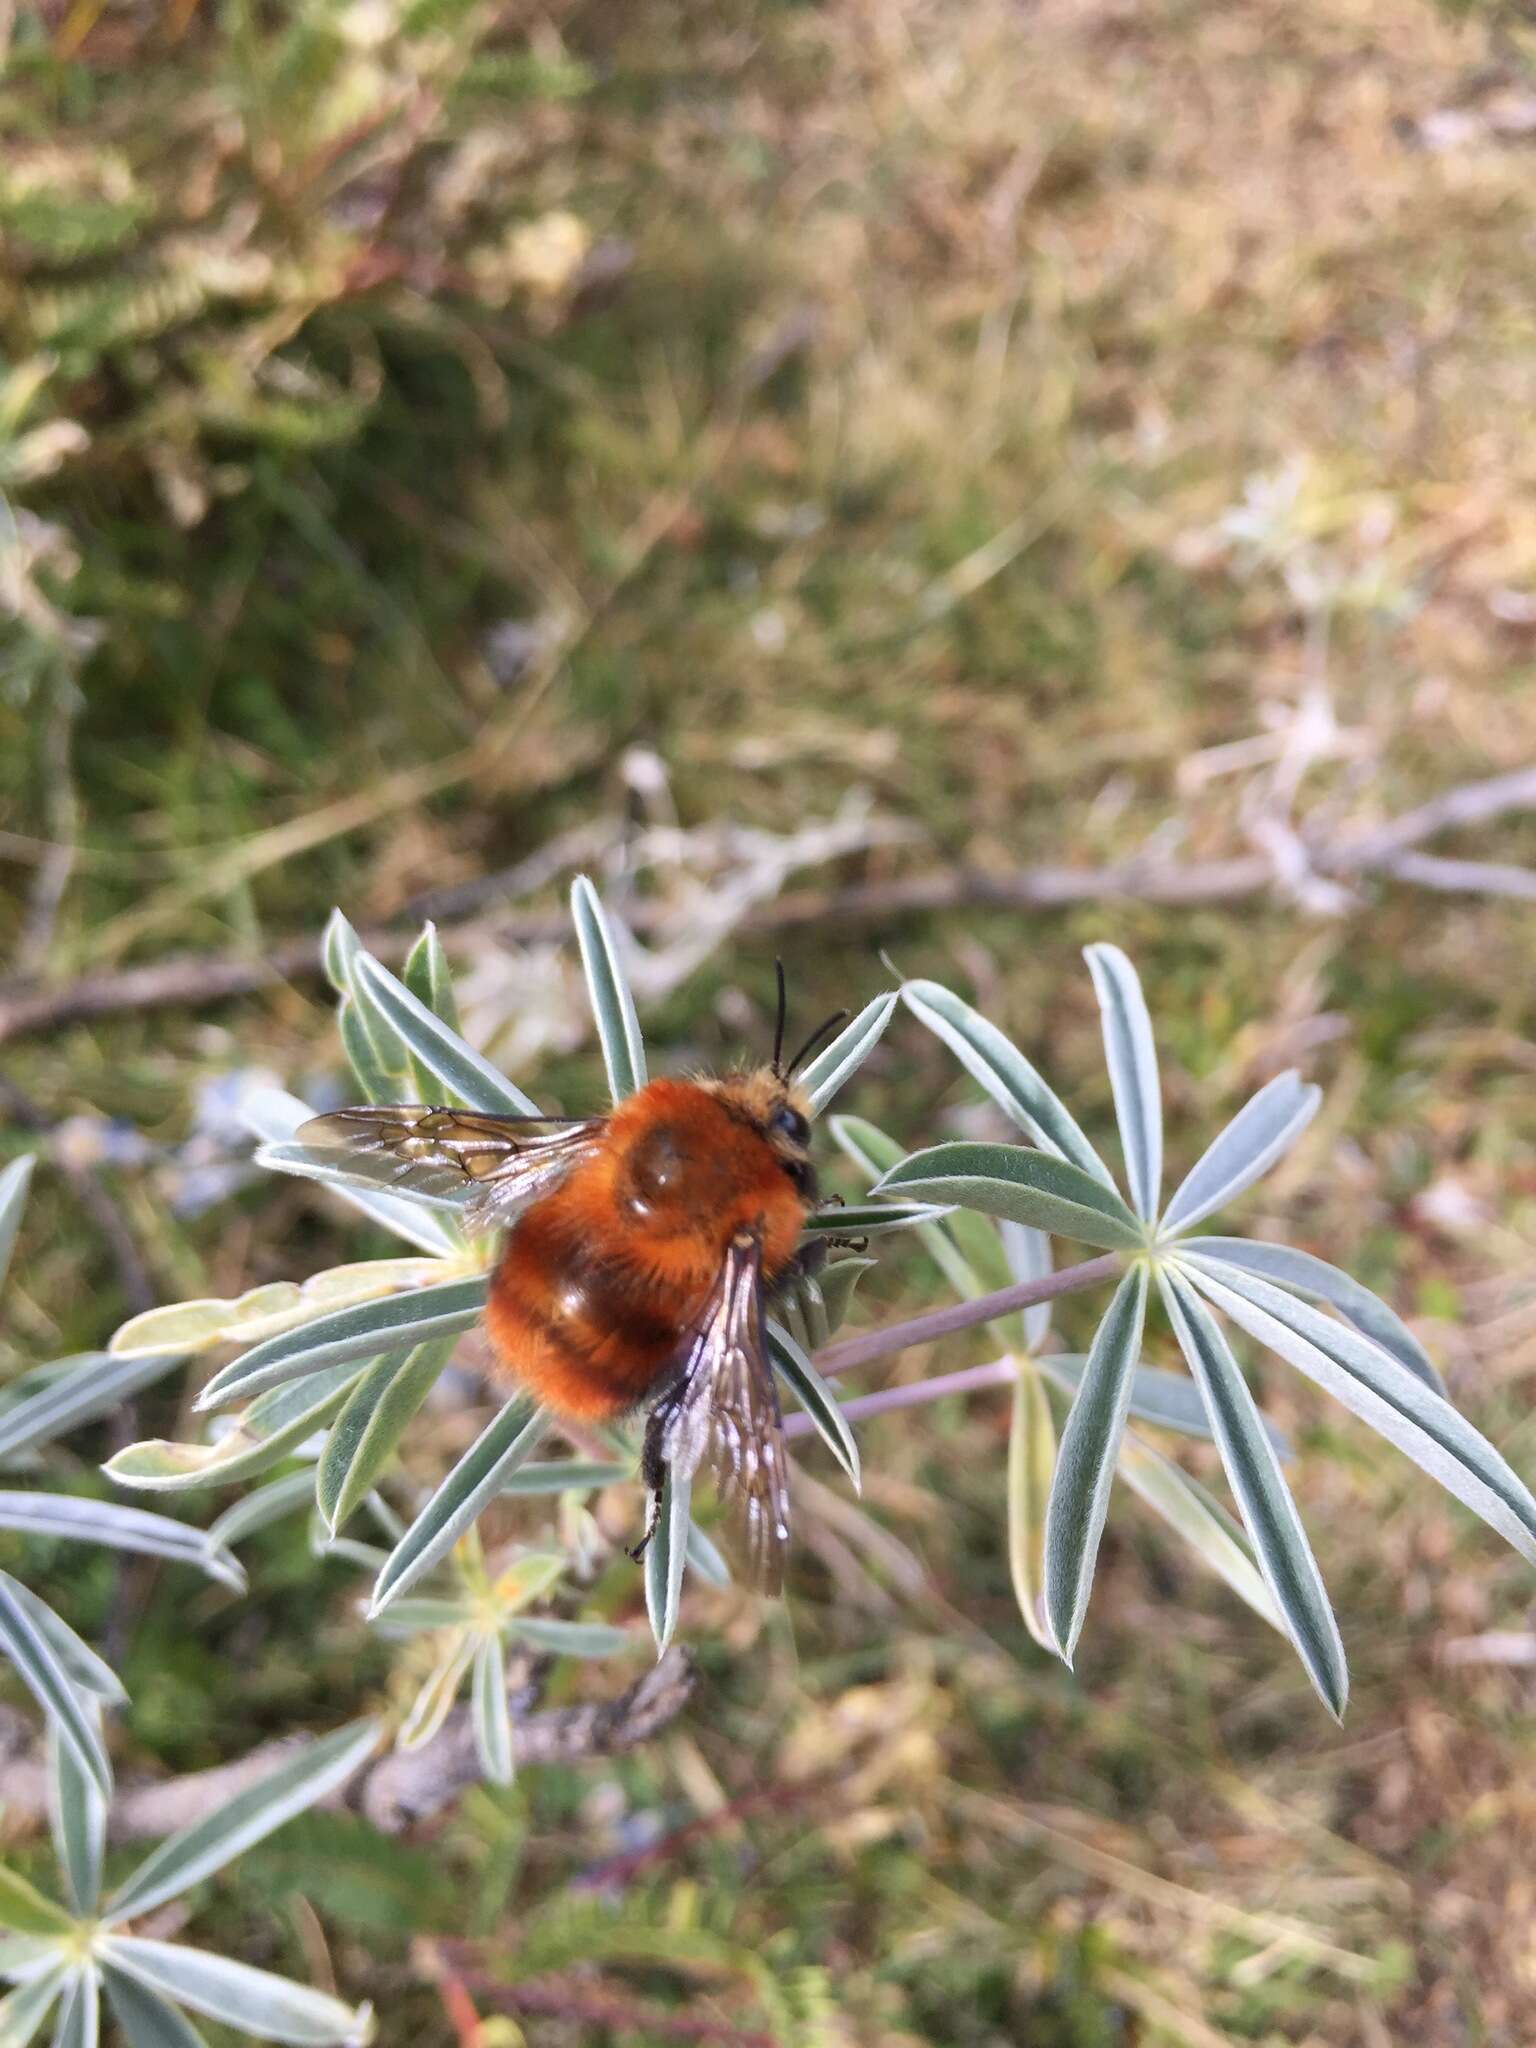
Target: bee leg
[(653, 1470), (847, 1244)]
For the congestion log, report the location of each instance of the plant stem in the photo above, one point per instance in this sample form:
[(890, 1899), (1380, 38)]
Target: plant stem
[(963, 1315), (1001, 1372)]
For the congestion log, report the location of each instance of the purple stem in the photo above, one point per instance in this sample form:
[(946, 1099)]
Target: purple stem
[(916, 1394), (963, 1315)]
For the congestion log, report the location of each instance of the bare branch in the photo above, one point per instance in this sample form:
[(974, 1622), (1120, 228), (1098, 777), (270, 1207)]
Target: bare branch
[(392, 1790), (192, 980)]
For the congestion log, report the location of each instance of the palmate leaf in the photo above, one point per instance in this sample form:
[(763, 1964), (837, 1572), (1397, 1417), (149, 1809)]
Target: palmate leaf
[(1261, 1134), (1007, 1076), (77, 1816), (1131, 1056), (397, 1322), (248, 1817), (440, 1051), (1378, 1388), (55, 1666), (613, 1006), (252, 2001), (1085, 1462), (1268, 1511), (1166, 1400), (1301, 1273), (508, 1441), (1026, 1187)]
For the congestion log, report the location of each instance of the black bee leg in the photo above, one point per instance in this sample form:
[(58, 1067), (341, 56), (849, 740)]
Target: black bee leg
[(653, 1470), (857, 1245)]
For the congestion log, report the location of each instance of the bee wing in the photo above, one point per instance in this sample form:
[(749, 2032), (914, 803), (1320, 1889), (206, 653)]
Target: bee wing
[(504, 1161), (723, 1410)]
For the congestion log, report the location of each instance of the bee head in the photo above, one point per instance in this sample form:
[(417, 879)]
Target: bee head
[(781, 1114)]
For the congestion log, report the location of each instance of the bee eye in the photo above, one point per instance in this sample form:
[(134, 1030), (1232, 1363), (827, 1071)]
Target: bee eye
[(790, 1124)]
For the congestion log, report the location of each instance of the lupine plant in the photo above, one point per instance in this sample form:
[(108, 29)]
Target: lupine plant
[(63, 1957), (330, 1375)]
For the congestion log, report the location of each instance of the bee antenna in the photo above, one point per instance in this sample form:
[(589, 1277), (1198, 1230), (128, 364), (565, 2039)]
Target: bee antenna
[(821, 1031), (778, 1028)]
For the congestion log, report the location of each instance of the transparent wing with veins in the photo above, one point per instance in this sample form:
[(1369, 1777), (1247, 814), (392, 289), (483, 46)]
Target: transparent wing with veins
[(723, 1411), (488, 1166)]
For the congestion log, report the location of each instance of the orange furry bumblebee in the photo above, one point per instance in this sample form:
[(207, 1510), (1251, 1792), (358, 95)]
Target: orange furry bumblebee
[(639, 1247)]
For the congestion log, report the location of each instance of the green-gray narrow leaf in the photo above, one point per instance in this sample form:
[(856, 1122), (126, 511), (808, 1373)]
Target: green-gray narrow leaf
[(492, 1714), (274, 1425), (252, 2001), (1263, 1498), (147, 2019), (413, 1215), (840, 1061), (185, 1859), (1199, 1521), (664, 1559), (817, 1399), (429, 977), (1301, 1273), (870, 1219), (1027, 1187), (613, 1007), (566, 1475), (1261, 1133), (94, 1382), (363, 1438), (1031, 1461), (394, 1322), (1006, 1075), (89, 1674), (24, 1909), (23, 2012), (385, 1062), (373, 1080), (571, 1638), (34, 1649), (439, 1050), (705, 1558), (259, 1508), (79, 2021), (1131, 1055), (1167, 1400), (120, 1528), (1381, 1391), (838, 1282), (77, 1814), (14, 1183), (507, 1442), (1027, 1254), (1085, 1462)]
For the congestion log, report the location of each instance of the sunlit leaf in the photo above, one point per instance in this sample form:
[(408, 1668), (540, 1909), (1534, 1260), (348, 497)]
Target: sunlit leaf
[(120, 1528), (1380, 1389), (1261, 1133), (272, 1427), (363, 1439), (1301, 1273), (1085, 1462), (1027, 1187), (837, 1063), (613, 1006), (188, 1327), (817, 1399), (439, 1050), (1031, 1461), (240, 1820), (39, 1645), (664, 1559), (396, 1323), (492, 1714), (274, 1116), (1006, 1075), (252, 2001), (1131, 1055), (508, 1441), (1268, 1511)]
